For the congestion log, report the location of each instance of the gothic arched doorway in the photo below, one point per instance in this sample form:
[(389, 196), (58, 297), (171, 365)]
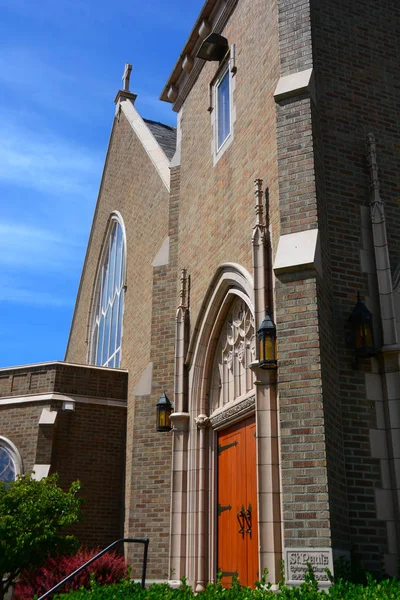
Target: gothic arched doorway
[(221, 470)]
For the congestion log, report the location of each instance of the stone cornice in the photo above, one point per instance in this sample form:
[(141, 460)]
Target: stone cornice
[(213, 17), (55, 363), (125, 95), (237, 411), (56, 397)]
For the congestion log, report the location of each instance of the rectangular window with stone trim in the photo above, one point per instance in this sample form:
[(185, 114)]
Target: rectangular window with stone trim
[(223, 108)]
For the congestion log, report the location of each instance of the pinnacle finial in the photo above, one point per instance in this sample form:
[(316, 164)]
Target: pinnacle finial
[(376, 204), (372, 161), (183, 290), (258, 193)]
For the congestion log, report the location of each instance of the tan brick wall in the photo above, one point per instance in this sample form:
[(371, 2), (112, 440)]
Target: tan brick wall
[(149, 513), (132, 186), (217, 203)]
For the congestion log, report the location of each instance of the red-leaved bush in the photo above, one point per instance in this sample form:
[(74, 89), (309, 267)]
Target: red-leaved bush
[(108, 569)]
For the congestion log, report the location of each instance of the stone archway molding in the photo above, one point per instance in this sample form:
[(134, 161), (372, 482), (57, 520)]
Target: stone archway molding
[(229, 279)]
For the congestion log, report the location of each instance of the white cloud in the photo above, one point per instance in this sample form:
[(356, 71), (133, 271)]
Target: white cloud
[(45, 162), (51, 85), (22, 246), (20, 295), (27, 75), (21, 68), (37, 266)]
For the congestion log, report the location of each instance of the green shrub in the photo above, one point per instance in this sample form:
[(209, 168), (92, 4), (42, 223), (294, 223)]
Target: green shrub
[(388, 589), (106, 570), (32, 514)]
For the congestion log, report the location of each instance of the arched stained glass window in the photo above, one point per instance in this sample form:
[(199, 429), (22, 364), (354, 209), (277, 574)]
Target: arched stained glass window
[(109, 301), (235, 351), (10, 461)]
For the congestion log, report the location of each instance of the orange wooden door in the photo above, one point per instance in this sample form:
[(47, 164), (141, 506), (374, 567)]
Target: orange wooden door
[(237, 503)]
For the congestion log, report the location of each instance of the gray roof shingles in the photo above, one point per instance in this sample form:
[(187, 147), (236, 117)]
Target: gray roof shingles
[(165, 136)]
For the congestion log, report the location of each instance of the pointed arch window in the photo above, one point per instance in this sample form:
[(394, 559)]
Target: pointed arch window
[(106, 334), (235, 351), (10, 460)]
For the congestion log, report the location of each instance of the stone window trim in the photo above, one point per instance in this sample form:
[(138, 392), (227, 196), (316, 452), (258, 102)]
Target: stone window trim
[(227, 66), (11, 450), (115, 220)]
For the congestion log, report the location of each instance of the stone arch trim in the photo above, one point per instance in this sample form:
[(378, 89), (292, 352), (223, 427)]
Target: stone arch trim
[(230, 280)]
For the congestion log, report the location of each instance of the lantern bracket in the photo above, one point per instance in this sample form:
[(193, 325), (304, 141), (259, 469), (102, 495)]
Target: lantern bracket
[(361, 337)]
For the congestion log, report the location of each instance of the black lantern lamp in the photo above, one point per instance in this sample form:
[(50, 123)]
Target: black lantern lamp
[(362, 337), (267, 343), (214, 47), (164, 409)]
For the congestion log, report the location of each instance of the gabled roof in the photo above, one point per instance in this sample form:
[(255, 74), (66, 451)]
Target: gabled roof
[(165, 136), (157, 139)]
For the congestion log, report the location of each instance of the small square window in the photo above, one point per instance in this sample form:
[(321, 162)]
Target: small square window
[(223, 106)]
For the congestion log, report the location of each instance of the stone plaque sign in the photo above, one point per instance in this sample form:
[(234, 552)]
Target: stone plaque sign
[(296, 560)]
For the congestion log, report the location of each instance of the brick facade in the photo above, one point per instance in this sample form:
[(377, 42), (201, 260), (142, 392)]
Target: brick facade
[(87, 443), (130, 187), (337, 65), (357, 91)]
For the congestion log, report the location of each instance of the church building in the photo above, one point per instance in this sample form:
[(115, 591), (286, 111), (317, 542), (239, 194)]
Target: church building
[(231, 384)]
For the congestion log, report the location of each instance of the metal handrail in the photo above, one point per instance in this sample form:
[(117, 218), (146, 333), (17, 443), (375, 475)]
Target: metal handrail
[(144, 541)]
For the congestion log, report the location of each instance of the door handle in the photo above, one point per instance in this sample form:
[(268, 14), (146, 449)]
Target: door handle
[(241, 520), (247, 518)]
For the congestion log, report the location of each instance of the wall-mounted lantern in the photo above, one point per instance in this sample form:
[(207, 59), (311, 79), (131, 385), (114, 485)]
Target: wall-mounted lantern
[(164, 409), (214, 47), (267, 343), (362, 338)]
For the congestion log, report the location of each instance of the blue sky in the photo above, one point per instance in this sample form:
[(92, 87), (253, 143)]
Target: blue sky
[(61, 63)]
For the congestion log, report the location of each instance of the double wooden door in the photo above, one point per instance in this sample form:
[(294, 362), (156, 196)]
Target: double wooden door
[(237, 504)]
